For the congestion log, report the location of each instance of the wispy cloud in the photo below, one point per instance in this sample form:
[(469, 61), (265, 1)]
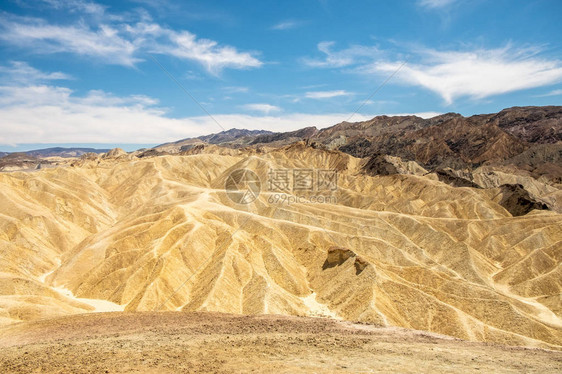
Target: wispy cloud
[(434, 4), (263, 108), (77, 6), (33, 112), (551, 93), (235, 89), (379, 102), (49, 114), (121, 43), (208, 53), (46, 114), (345, 57), (286, 25), (326, 94), (20, 72), (476, 74), (103, 43)]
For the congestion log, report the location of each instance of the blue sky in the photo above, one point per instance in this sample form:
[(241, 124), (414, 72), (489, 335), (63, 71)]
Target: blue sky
[(80, 71)]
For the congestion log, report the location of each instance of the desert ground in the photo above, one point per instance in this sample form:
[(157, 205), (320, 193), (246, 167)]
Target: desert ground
[(197, 342)]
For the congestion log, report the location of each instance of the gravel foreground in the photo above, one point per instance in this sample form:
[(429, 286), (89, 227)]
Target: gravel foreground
[(171, 342)]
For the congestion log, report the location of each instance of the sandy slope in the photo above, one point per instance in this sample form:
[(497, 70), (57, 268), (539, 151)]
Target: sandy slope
[(170, 342), (161, 234)]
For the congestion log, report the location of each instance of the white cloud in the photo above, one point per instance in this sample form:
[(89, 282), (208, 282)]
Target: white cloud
[(264, 108), (21, 72), (236, 89), (418, 114), (71, 122), (103, 43), (121, 43), (344, 57), (551, 93), (42, 113), (475, 74), (77, 6), (286, 25), (48, 114), (326, 94), (433, 4), (208, 53), (379, 102)]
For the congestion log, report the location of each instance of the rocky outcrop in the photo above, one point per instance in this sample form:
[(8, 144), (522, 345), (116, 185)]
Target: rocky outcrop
[(389, 165), (115, 153), (517, 201), (282, 138), (455, 178), (19, 161), (338, 256), (537, 125)]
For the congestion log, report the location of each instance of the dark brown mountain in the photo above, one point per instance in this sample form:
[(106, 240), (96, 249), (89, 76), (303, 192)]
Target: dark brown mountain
[(525, 138), (541, 125), (450, 140), (234, 138), (540, 160), (231, 135), (283, 138), (19, 160), (57, 152)]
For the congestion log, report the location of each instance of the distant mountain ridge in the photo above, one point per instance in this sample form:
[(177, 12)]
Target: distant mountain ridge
[(58, 152), (231, 137), (528, 138)]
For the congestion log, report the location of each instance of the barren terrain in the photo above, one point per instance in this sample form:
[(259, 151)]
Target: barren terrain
[(115, 233), (171, 342), (472, 254)]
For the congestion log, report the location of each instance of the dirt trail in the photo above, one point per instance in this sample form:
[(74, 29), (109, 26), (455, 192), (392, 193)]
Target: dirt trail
[(221, 343)]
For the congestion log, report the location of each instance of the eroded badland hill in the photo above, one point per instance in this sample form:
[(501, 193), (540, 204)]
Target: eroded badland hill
[(471, 251)]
